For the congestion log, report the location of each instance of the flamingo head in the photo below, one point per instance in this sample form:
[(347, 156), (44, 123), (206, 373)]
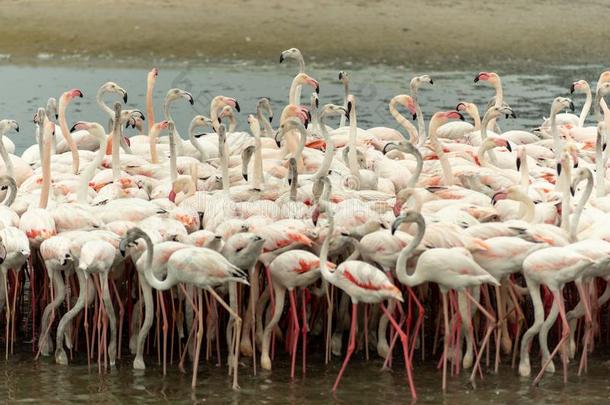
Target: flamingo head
[(572, 150), (6, 125), (112, 87), (315, 214), (408, 102), (521, 156), (496, 141), (303, 78), (72, 94), (227, 111), (604, 78), (222, 101), (152, 75), (254, 124), (444, 116), (488, 77), (343, 77), (292, 53), (417, 81), (579, 86), (296, 111), (162, 124), (562, 103), (468, 108)]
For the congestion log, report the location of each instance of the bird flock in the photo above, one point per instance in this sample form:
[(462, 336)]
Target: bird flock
[(459, 241)]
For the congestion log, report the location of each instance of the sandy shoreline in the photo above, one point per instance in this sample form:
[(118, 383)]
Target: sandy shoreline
[(442, 32)]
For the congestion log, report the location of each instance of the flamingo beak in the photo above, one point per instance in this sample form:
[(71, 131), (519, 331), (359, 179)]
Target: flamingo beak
[(281, 57), (172, 196), (558, 169), (245, 176), (510, 149), (518, 163), (572, 88), (571, 106), (397, 207), (124, 97), (315, 215)]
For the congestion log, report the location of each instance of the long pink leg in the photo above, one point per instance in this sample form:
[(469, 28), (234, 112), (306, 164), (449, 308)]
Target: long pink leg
[(189, 299), (490, 327), (295, 331), (418, 323), (304, 329), (565, 333), (121, 316), (164, 327), (583, 291), (446, 340), (405, 346), (199, 336), (351, 346)]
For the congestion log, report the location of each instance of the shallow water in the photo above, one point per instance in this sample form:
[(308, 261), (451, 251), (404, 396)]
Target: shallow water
[(25, 380), (24, 88)]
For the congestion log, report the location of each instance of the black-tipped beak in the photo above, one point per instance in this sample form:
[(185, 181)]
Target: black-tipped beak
[(289, 181), (476, 79), (270, 119), (81, 95), (73, 128), (414, 116), (17, 128), (576, 165), (518, 164), (494, 198), (124, 98), (558, 169), (572, 191), (394, 228), (386, 146), (122, 252), (461, 116), (318, 89), (278, 143), (513, 115), (604, 147), (317, 103), (56, 116), (510, 149), (571, 106), (281, 57), (237, 106), (431, 81), (245, 176), (192, 102), (457, 107), (126, 125), (340, 75), (572, 88), (349, 107)]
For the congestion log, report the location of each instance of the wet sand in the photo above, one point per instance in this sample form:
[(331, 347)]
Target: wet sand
[(415, 32)]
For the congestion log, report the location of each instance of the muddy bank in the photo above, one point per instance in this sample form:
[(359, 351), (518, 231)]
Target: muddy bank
[(417, 32)]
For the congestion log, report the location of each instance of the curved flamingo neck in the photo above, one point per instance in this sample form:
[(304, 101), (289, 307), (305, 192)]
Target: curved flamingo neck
[(584, 113), (63, 104), (150, 110), (89, 172), (46, 168), (405, 253), (438, 149), (404, 122), (581, 205), (258, 180), (328, 153)]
